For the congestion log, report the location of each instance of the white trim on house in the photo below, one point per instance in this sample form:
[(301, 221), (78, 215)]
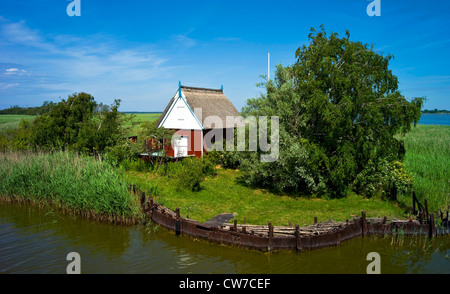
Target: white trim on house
[(180, 115)]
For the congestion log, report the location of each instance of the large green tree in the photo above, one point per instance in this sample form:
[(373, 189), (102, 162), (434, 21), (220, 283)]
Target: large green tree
[(340, 109), (76, 123)]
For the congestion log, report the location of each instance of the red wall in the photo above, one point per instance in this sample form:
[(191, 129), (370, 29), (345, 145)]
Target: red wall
[(195, 138), (194, 143)]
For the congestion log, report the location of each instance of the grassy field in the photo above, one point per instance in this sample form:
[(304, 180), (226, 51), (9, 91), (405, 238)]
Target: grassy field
[(11, 121), (223, 194), (137, 118), (428, 161)]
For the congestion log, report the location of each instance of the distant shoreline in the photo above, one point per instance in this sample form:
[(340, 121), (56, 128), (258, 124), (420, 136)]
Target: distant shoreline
[(439, 112), (143, 112)]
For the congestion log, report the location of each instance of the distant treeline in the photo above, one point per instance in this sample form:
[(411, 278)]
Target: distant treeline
[(437, 111), (37, 110), (44, 108)]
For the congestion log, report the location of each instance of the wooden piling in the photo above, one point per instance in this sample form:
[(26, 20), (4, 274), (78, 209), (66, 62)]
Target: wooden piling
[(315, 220), (297, 238), (426, 211), (143, 199), (178, 222), (432, 229), (363, 223), (421, 220), (270, 237)]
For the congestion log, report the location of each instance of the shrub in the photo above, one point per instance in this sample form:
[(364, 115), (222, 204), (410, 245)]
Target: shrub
[(387, 179), (138, 165), (124, 149), (187, 173), (226, 159)]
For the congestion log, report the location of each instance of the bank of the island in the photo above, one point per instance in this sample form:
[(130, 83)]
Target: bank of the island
[(81, 185), (88, 187), (270, 238)]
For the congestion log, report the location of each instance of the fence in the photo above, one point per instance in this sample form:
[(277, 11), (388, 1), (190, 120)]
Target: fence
[(268, 238)]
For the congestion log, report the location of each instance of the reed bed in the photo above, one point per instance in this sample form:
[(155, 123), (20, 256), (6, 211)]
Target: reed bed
[(79, 184), (428, 161)]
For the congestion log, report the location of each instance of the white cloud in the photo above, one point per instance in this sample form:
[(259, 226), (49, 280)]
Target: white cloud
[(14, 71), (64, 64)]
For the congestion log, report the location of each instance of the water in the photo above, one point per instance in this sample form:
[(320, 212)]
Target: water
[(435, 119), (34, 240)]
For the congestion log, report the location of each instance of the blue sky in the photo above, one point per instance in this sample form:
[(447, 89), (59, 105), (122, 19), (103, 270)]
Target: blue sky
[(138, 50)]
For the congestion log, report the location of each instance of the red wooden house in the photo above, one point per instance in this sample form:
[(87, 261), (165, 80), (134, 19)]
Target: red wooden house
[(193, 113)]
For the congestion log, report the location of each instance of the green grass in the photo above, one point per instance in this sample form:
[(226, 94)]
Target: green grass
[(11, 121), (223, 194), (77, 183), (428, 161), (138, 118)]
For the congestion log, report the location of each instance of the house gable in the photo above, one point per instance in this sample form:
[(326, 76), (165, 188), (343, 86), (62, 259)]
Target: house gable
[(179, 115)]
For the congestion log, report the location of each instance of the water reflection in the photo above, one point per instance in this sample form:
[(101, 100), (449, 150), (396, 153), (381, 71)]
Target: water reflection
[(34, 240)]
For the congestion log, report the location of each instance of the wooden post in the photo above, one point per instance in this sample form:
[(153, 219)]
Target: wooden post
[(297, 238), (315, 220), (363, 223), (235, 225), (432, 229), (421, 217), (245, 220), (143, 200), (426, 211), (244, 230), (270, 236), (178, 222), (414, 202)]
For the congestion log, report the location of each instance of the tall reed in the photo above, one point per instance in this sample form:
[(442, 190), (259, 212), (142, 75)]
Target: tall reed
[(428, 161), (66, 180)]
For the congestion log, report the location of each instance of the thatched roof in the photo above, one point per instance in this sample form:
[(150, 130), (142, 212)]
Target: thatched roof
[(213, 102)]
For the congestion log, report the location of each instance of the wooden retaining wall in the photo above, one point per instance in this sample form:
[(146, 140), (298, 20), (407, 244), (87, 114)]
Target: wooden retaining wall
[(266, 238)]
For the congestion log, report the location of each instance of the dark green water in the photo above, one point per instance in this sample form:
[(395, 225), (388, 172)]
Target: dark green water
[(34, 240)]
